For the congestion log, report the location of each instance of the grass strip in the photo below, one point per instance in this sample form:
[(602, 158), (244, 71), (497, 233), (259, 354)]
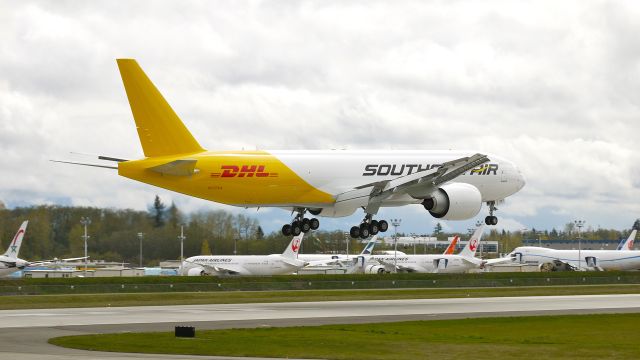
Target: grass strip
[(604, 336), (194, 298)]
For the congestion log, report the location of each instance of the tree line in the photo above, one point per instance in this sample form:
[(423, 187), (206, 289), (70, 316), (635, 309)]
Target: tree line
[(56, 231)]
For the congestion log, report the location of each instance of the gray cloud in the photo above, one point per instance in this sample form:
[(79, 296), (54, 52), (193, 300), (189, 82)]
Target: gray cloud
[(552, 86)]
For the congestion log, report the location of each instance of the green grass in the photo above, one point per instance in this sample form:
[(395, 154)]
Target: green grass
[(187, 298), (552, 337)]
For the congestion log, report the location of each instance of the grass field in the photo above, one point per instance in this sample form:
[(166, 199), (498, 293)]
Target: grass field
[(186, 298), (559, 337)]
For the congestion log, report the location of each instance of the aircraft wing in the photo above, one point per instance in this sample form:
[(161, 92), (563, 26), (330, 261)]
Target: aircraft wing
[(55, 261), (419, 185), (496, 261), (214, 269)]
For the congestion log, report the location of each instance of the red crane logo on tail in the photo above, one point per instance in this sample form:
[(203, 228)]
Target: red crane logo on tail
[(473, 244), (295, 245)]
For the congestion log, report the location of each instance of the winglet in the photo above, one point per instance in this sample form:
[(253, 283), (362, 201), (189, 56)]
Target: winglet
[(473, 244), (292, 250), (160, 130), (14, 246)]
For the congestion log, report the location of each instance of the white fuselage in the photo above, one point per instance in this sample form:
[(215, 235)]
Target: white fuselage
[(10, 265), (339, 171), (427, 263), (582, 259), (241, 265)]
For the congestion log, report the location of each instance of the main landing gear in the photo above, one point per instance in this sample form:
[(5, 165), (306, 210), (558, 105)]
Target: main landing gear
[(368, 227), (300, 224), (491, 220)]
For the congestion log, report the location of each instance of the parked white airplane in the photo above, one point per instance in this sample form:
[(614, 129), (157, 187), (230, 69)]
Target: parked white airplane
[(444, 263), (314, 260), (274, 264), (552, 260), (628, 245), (10, 263)]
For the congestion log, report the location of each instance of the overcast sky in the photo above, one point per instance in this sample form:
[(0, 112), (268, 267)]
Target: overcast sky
[(552, 85)]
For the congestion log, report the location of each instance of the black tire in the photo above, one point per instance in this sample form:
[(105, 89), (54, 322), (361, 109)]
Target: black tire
[(487, 220), (354, 232), (296, 228), (373, 228), (494, 220), (286, 230), (306, 225), (315, 224), (364, 231), (383, 226)]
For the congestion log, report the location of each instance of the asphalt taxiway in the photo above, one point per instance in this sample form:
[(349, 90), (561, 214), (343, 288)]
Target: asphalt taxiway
[(24, 333)]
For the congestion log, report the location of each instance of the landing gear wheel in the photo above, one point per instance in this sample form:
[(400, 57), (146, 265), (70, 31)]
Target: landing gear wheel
[(355, 232), (306, 225), (286, 230), (296, 228), (364, 231), (491, 220), (314, 223), (383, 226), (373, 227)]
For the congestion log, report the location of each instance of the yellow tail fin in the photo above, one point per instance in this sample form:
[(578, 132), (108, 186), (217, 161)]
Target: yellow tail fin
[(160, 130)]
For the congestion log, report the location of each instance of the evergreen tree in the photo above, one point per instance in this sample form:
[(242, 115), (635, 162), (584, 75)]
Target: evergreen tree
[(437, 230), (158, 212), (259, 233), (204, 249), (636, 225)]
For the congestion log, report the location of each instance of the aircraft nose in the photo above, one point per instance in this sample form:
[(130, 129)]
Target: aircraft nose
[(520, 180)]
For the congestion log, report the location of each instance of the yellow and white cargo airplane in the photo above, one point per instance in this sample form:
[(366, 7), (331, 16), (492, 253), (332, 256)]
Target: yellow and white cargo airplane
[(451, 185)]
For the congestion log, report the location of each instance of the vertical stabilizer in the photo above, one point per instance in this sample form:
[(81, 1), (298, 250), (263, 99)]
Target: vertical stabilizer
[(473, 244), (291, 252), (452, 247), (628, 245), (16, 242), (368, 250), (160, 130)]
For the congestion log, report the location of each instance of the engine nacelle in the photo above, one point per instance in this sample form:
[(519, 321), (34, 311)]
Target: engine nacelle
[(196, 271), (457, 201), (375, 269)]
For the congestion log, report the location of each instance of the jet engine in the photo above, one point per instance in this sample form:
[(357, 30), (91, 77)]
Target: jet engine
[(375, 269), (196, 271), (457, 201)]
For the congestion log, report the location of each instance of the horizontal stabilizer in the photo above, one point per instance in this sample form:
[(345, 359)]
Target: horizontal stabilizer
[(84, 164), (176, 168)]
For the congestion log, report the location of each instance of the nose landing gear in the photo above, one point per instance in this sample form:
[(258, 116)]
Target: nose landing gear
[(491, 219)]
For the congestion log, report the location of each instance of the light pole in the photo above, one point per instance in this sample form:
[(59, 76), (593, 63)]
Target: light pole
[(579, 224), (395, 223), (181, 238), (140, 237), (85, 221)]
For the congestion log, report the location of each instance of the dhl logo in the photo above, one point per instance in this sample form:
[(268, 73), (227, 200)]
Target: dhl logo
[(229, 171)]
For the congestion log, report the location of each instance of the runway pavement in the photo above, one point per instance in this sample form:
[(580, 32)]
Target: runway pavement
[(24, 333)]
